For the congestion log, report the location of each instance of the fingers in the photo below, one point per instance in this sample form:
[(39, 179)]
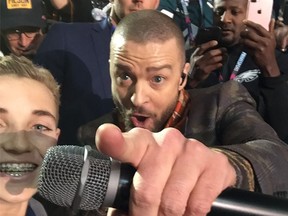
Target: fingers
[(258, 29), (272, 25), (121, 146), (198, 176), (204, 61), (259, 42), (207, 190), (206, 46), (284, 42), (175, 175), (279, 24), (110, 141), (281, 35), (211, 60), (154, 171), (181, 181)]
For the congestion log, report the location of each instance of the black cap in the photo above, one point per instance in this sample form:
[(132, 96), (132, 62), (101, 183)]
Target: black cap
[(17, 13)]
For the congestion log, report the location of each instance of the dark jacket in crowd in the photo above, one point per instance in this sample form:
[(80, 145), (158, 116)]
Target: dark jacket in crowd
[(77, 55)]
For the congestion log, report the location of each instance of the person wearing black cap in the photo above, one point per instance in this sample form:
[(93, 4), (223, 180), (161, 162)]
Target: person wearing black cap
[(21, 24)]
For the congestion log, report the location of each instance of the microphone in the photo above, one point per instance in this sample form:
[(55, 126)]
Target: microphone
[(82, 178)]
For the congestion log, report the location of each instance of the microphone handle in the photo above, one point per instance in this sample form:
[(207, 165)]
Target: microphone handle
[(231, 201), (121, 201), (239, 202)]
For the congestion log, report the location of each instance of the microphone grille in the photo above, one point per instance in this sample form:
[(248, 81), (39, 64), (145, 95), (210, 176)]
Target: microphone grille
[(61, 172)]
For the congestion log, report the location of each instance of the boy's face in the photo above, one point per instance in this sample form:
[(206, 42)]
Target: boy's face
[(146, 80), (27, 129)]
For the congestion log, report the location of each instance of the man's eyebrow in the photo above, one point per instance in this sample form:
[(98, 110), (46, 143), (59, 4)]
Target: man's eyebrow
[(43, 113), (122, 66), (149, 69), (158, 68)]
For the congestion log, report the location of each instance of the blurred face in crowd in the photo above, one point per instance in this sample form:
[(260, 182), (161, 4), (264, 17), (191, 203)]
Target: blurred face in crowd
[(23, 41), (121, 8), (229, 15), (28, 127), (146, 80)]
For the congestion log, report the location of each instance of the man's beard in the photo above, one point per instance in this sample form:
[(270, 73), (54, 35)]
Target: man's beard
[(159, 123)]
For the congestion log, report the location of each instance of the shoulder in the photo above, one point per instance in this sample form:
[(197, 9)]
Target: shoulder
[(220, 88), (222, 94), (78, 27)]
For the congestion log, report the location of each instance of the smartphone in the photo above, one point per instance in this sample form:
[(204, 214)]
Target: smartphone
[(205, 35), (260, 11)]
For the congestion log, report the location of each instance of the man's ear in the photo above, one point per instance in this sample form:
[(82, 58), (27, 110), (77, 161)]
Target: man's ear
[(183, 79)]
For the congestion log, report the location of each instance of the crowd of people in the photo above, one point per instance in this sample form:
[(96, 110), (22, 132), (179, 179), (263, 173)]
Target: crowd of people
[(250, 57), (193, 119)]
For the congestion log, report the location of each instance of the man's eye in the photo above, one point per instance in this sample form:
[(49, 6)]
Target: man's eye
[(235, 12), (124, 76), (124, 79), (41, 128), (219, 12), (157, 79)]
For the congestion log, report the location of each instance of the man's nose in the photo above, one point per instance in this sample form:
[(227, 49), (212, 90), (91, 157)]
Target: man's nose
[(226, 17), (140, 94), (24, 41)]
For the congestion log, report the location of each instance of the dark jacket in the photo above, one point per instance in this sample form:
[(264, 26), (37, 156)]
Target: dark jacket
[(77, 55), (270, 93), (224, 116)]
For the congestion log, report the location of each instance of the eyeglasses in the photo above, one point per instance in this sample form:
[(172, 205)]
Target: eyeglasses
[(15, 34)]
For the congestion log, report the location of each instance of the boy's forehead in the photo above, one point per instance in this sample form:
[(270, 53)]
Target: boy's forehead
[(31, 94), (24, 85)]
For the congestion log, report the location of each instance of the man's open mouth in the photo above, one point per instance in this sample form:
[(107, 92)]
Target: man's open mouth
[(139, 120)]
